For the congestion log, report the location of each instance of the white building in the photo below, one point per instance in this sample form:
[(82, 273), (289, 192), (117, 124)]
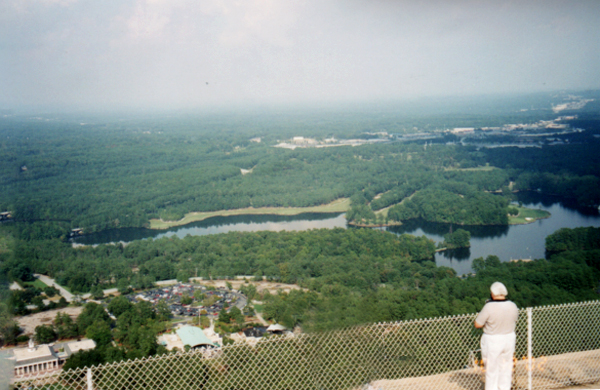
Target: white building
[(43, 358), (35, 359)]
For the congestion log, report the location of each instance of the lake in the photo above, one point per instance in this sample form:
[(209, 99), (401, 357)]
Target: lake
[(506, 242)]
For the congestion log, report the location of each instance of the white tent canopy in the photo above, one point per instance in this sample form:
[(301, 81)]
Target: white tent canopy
[(276, 328)]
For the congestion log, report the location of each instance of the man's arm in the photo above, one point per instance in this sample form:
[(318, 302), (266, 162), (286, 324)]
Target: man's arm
[(482, 317)]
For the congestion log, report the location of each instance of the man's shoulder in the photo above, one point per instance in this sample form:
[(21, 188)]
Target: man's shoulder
[(501, 305)]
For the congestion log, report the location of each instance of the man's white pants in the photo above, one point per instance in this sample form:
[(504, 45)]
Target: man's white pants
[(497, 352)]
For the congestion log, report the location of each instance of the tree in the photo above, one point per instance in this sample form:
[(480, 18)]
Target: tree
[(44, 334), (236, 315), (99, 331), (140, 341), (91, 313), (163, 313), (64, 325), (204, 322), (143, 311), (9, 329), (123, 286), (39, 302), (458, 239), (50, 291), (249, 290), (249, 311), (22, 272), (186, 299), (183, 276), (82, 359), (119, 305), (199, 295), (224, 317), (97, 292)]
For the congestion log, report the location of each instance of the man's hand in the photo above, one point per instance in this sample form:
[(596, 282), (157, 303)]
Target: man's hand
[(477, 325)]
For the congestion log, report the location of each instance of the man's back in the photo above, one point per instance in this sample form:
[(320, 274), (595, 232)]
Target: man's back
[(498, 317)]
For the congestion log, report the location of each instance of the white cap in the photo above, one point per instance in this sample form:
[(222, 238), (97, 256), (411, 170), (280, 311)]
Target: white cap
[(498, 288)]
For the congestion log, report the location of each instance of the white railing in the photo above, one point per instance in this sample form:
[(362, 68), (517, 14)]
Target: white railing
[(557, 346)]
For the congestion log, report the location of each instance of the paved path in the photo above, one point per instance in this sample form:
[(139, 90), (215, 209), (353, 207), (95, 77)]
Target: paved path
[(261, 319), (50, 282), (68, 296), (554, 372)]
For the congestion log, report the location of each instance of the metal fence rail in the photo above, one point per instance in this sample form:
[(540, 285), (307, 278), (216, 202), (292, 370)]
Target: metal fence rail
[(564, 349)]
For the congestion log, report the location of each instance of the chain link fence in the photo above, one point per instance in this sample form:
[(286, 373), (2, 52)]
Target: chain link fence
[(560, 347)]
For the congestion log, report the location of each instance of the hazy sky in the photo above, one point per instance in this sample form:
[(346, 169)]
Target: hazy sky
[(198, 53)]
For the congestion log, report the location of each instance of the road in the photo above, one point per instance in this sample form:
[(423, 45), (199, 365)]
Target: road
[(241, 301), (68, 296), (50, 282)]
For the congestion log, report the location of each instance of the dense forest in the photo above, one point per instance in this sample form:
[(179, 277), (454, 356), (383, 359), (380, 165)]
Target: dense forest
[(312, 258), (351, 276), (99, 173)]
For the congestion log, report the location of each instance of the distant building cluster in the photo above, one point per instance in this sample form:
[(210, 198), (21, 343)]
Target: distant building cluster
[(540, 125), (302, 142), (173, 295), (576, 103)]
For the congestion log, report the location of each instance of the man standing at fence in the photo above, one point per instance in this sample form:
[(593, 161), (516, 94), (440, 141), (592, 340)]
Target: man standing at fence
[(498, 319)]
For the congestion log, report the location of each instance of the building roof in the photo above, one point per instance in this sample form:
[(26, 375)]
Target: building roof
[(193, 336), (38, 354), (77, 346)]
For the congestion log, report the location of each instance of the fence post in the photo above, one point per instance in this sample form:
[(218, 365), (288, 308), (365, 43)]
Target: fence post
[(90, 385), (529, 349)]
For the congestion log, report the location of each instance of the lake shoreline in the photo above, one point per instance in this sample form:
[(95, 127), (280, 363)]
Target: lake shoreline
[(337, 206), (532, 216), (505, 241), (368, 225)]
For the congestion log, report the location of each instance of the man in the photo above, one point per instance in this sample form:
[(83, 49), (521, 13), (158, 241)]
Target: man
[(498, 319)]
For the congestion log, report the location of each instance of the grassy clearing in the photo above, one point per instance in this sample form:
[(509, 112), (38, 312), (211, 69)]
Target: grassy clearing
[(337, 206), (258, 307), (36, 283), (384, 211), (527, 216)]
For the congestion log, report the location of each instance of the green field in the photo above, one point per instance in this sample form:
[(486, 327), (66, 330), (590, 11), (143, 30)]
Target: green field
[(340, 205), (36, 283), (527, 216), (384, 211)]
